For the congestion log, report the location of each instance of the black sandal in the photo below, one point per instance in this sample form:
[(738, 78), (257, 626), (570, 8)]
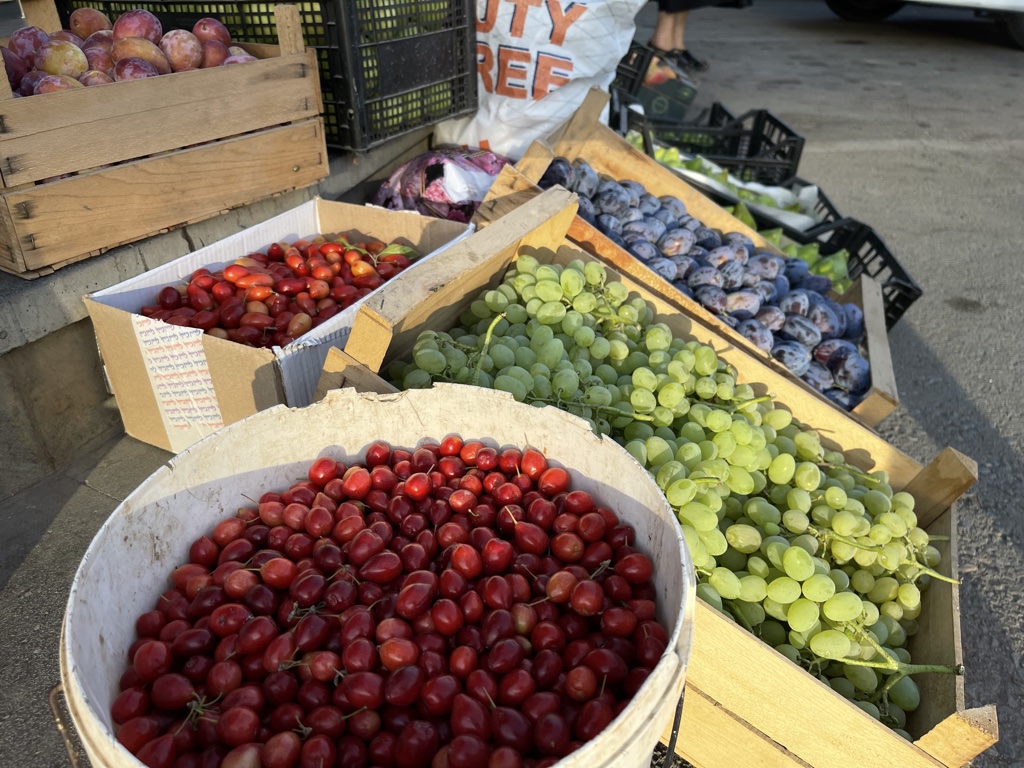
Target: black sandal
[(682, 58)]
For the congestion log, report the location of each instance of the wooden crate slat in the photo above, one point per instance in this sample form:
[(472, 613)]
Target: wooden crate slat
[(122, 203), (53, 134)]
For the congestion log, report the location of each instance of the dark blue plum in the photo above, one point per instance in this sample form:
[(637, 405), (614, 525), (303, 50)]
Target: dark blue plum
[(818, 376), (771, 317), (743, 305), (720, 255), (750, 279), (704, 276), (586, 210), (708, 238), (732, 275), (643, 229), (676, 242), (756, 333), (664, 215), (795, 303), (711, 298), (840, 314), (631, 215), (684, 264), (853, 374), (833, 350), (674, 206), (681, 286), (825, 321), (616, 238), (608, 224), (690, 223), (587, 180), (798, 328), (843, 399), (796, 270), (766, 290), (818, 283), (736, 239), (854, 322), (781, 287), (644, 250), (698, 253), (765, 267), (796, 357), (560, 172), (613, 200), (741, 254), (635, 190), (648, 204), (663, 267)]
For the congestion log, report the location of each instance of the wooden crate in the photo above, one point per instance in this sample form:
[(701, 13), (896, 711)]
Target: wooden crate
[(86, 170), (584, 137), (745, 703)]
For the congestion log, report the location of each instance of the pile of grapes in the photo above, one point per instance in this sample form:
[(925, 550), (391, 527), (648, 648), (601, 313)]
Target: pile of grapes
[(452, 607), (773, 301), (821, 561)]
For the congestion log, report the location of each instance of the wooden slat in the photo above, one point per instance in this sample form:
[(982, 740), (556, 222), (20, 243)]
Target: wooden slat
[(883, 397), (123, 203), (712, 737), (962, 736), (939, 484), (289, 29), (53, 134), (341, 370), (388, 323)]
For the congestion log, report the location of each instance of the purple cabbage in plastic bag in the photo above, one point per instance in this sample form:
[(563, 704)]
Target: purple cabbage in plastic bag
[(448, 183)]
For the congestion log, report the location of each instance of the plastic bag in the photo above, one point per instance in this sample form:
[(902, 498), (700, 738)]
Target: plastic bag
[(448, 183), (536, 61)]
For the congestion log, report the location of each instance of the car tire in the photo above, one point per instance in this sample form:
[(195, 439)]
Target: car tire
[(1013, 26), (864, 10)]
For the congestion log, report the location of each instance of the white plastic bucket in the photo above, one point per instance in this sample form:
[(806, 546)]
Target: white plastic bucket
[(129, 561)]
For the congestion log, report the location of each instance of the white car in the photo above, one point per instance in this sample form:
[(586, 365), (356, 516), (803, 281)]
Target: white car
[(1007, 13)]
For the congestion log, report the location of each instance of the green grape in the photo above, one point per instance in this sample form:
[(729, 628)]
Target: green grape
[(707, 388), (525, 357), (693, 513), (753, 589), (778, 418), (516, 314), (756, 566), (773, 547), (681, 492), (840, 579), (819, 588), (726, 444), (618, 350), (751, 614), (600, 348), (710, 595), (501, 355), (864, 679), (835, 497), (643, 400), (526, 264), (908, 595), (572, 322), (638, 450), (841, 607), (627, 314), (789, 652), (807, 476), (705, 360), (717, 421), (897, 714), (884, 590), (877, 503), (572, 282), (658, 451), (542, 387), (644, 378), (583, 337), (893, 522), (761, 512), (548, 272), (637, 430), (743, 538), (870, 708), (774, 609), (549, 353), (862, 581), (565, 383), (870, 613), (795, 521), (669, 472), (782, 469), (880, 535), (905, 694), (430, 360), (844, 523), (840, 685), (416, 379), (931, 556), (799, 499), (808, 445), (797, 564), (496, 301), (597, 395), (784, 590), (725, 583), (802, 614), (480, 309), (738, 480), (512, 385), (594, 273), (551, 312), (714, 541)]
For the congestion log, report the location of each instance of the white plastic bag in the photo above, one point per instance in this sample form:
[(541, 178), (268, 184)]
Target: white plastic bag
[(536, 61)]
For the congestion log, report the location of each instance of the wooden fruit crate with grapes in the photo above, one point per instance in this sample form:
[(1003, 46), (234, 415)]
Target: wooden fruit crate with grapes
[(89, 169), (584, 137), (746, 703)]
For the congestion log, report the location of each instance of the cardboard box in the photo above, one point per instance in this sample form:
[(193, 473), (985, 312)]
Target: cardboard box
[(89, 169), (584, 137), (175, 385), (732, 714)]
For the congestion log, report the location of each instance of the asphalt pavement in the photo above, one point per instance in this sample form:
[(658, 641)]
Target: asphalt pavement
[(913, 126)]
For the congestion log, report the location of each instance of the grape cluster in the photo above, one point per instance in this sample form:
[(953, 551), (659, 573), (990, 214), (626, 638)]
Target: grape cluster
[(823, 562)]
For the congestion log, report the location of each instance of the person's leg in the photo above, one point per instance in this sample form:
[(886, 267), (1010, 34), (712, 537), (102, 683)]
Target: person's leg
[(685, 59), (664, 32)]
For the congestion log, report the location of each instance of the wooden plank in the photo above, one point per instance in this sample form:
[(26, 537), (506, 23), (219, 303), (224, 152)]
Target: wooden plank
[(289, 29), (53, 134), (61, 220), (386, 326), (712, 737), (341, 370), (789, 706), (962, 736), (883, 397), (939, 484)]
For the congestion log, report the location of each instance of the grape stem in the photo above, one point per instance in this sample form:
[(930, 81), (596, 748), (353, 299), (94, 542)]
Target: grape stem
[(738, 616), (847, 468), (486, 345), (826, 536), (733, 407)]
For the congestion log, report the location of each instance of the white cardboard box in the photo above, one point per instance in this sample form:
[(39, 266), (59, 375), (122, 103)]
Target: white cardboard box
[(175, 385)]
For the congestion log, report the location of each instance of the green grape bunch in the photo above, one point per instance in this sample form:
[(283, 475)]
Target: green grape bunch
[(821, 561)]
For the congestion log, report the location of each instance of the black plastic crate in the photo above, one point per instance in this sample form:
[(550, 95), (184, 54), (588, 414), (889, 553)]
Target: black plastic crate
[(756, 146), (385, 69), (871, 256), (664, 90)]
